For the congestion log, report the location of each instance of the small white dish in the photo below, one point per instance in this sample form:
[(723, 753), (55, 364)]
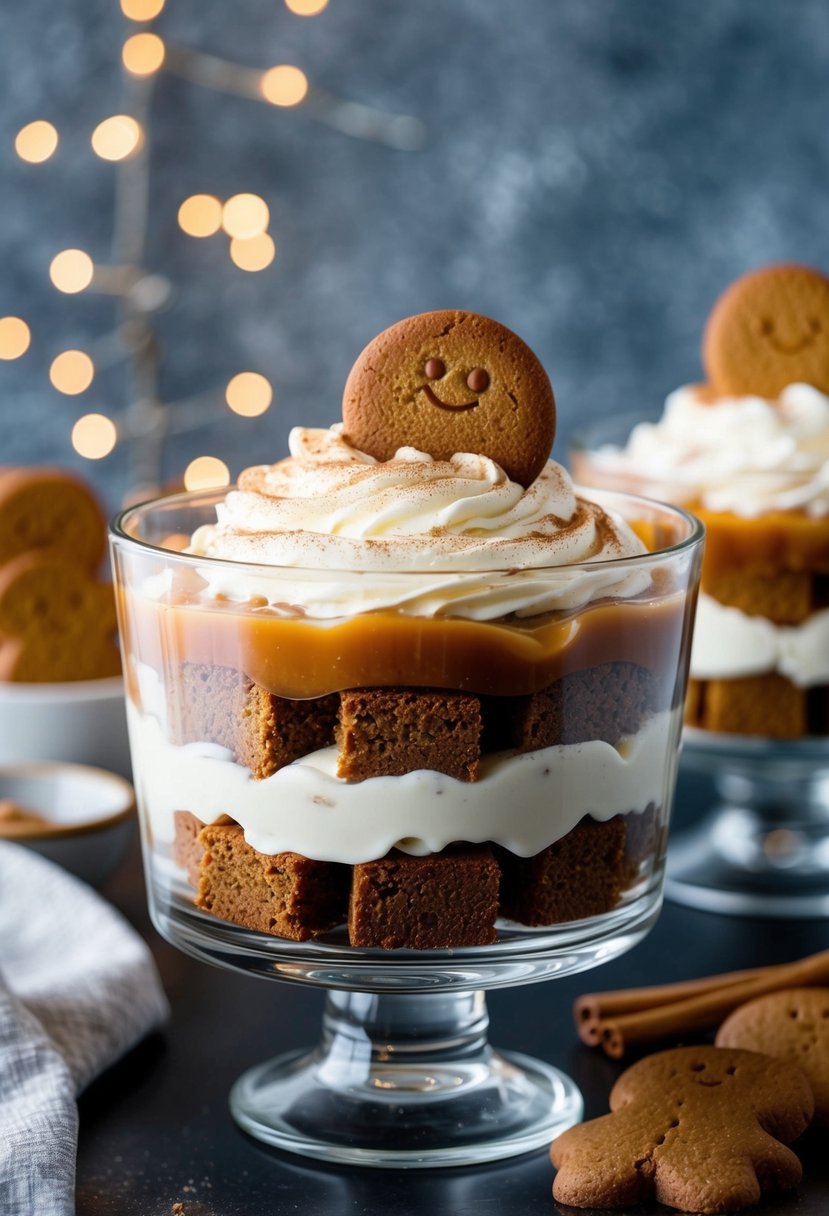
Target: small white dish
[(80, 721), (85, 815)]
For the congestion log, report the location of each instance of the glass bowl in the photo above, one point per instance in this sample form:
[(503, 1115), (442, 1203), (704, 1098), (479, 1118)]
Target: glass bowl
[(571, 822), (762, 846)]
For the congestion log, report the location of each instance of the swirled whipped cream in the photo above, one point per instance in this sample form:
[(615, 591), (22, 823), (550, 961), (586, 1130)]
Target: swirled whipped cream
[(745, 455), (344, 533)]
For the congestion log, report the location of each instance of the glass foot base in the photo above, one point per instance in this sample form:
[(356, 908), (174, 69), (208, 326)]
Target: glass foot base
[(430, 1092), (738, 864), (763, 848)]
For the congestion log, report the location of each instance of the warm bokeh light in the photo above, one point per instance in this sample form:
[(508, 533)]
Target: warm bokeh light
[(116, 138), (284, 85), (72, 372), (205, 472), (15, 337), (71, 270), (249, 394), (143, 54), (306, 8), (245, 216), (141, 10), (36, 142), (254, 254), (200, 215), (94, 436)]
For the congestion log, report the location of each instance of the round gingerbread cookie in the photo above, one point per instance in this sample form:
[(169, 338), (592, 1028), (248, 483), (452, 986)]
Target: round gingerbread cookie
[(792, 1025), (57, 622), (767, 330), (47, 508), (448, 382)]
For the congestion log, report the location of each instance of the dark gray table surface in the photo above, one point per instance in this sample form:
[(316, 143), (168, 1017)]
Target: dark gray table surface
[(155, 1129)]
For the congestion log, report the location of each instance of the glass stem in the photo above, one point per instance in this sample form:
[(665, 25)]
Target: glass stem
[(367, 1034)]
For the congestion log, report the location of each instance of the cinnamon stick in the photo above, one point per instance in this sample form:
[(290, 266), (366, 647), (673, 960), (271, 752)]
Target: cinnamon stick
[(590, 1010), (705, 1009)]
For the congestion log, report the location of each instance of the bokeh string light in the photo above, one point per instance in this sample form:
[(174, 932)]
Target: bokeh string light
[(71, 372), (94, 436), (36, 142), (243, 218), (249, 394), (15, 337)]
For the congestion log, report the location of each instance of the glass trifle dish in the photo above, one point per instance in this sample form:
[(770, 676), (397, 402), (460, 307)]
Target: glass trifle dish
[(748, 452), (404, 711)]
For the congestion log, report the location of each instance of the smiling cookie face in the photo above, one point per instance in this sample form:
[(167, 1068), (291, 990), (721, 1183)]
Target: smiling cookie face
[(768, 330), (448, 382)]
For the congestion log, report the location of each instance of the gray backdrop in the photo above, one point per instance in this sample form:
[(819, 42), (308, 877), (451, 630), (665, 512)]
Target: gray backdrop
[(595, 171)]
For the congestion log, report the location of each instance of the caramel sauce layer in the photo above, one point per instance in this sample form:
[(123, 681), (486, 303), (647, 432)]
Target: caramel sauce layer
[(298, 658)]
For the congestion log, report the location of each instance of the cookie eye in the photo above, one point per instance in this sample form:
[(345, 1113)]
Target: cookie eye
[(765, 326), (478, 380), (815, 325), (435, 368)]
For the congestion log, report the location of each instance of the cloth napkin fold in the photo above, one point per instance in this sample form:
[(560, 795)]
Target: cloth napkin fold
[(78, 988)]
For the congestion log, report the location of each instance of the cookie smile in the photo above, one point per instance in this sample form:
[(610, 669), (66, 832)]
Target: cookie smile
[(443, 405), (789, 348)]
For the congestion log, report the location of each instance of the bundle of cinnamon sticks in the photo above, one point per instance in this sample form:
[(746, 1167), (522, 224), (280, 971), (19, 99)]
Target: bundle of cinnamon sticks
[(618, 1021)]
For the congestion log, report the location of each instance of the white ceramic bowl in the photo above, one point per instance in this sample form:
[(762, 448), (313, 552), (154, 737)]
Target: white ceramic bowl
[(88, 815), (81, 721)]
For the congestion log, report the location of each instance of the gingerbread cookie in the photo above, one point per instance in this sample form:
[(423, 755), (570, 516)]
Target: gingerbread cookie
[(767, 330), (57, 622), (701, 1129), (48, 508), (792, 1025), (448, 382)]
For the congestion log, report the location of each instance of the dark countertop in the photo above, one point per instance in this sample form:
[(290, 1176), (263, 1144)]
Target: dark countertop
[(155, 1129)]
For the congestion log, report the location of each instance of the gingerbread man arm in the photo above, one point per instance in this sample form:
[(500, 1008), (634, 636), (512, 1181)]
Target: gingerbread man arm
[(606, 1162)]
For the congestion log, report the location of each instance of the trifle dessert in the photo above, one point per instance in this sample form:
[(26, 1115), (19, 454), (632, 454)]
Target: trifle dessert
[(406, 685), (748, 452)]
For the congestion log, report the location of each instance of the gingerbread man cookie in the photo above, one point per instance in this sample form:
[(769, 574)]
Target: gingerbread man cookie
[(701, 1129), (57, 622), (447, 382), (767, 330), (792, 1025)]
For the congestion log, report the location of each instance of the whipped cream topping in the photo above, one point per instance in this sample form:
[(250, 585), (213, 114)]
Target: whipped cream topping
[(353, 531), (745, 455), (728, 644), (306, 808)]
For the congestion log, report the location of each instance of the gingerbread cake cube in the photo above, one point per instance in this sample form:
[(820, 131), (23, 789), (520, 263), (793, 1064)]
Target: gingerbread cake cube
[(755, 705), (264, 732), (420, 903), (605, 702), (187, 849), (580, 875), (286, 895), (786, 597), (392, 731)]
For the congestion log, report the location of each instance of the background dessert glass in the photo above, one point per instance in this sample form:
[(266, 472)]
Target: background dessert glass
[(762, 848), (404, 1074)]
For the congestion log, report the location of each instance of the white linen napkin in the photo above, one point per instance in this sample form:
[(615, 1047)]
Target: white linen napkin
[(78, 988)]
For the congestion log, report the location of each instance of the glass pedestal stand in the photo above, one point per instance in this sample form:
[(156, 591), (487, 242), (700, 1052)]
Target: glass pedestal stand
[(763, 848), (404, 1076)]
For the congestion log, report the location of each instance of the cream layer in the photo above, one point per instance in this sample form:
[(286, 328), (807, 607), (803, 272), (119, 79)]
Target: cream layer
[(728, 644), (523, 802)]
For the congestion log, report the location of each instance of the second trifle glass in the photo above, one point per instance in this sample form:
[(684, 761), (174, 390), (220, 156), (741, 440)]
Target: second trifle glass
[(568, 718), (762, 846)]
